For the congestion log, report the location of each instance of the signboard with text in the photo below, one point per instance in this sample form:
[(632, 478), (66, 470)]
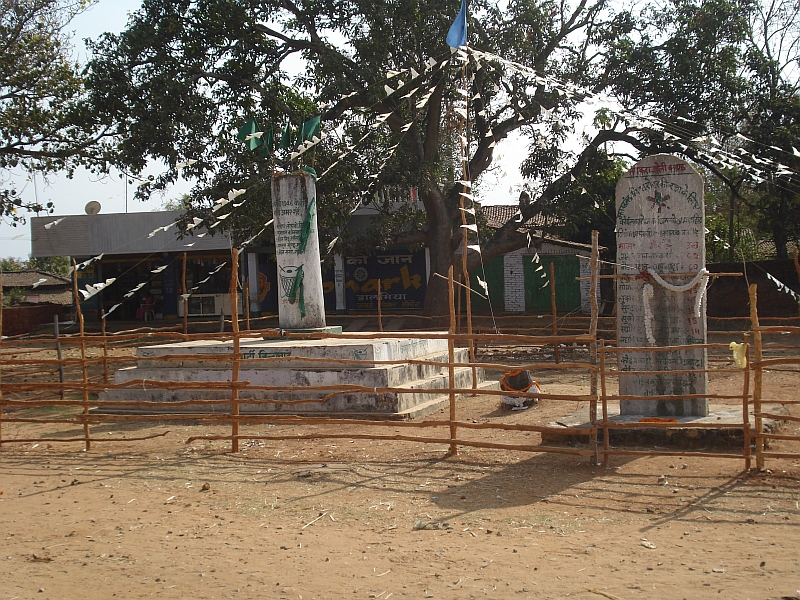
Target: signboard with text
[(403, 281)]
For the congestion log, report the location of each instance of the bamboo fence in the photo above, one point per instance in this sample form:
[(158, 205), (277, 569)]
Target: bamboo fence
[(68, 372)]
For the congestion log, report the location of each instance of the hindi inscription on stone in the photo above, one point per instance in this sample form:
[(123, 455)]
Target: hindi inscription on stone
[(661, 227)]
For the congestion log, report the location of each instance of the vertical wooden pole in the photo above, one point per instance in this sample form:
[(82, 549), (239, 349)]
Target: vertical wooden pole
[(236, 350), (556, 349), (464, 240), (604, 400), (380, 316), (184, 299), (79, 315), (468, 297), (746, 402), (593, 344), (451, 359), (758, 373), (56, 336), (458, 305), (246, 302), (797, 269), (105, 344), (796, 263)]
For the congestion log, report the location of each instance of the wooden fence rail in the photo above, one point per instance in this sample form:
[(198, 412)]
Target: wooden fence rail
[(87, 361)]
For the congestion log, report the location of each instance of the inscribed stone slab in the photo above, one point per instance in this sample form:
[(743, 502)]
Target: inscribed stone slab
[(661, 226)]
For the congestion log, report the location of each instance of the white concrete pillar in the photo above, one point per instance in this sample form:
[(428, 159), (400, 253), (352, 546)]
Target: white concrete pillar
[(338, 282), (252, 278), (295, 212), (427, 265), (514, 282)]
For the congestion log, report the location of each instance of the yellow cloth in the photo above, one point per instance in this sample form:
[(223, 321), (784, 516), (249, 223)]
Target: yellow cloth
[(739, 354)]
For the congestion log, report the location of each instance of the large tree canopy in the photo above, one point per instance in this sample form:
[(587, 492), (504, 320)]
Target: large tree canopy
[(45, 124), (185, 75)]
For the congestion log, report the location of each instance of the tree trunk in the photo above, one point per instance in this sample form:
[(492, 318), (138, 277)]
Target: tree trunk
[(779, 235), (731, 226), (442, 257)]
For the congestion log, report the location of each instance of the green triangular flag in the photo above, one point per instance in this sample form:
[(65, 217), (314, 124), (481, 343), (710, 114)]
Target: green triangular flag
[(299, 139), (249, 129), (311, 128), (297, 291), (286, 136), (310, 170), (305, 228), (269, 142)]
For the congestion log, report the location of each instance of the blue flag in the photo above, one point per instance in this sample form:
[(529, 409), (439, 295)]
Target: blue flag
[(457, 36)]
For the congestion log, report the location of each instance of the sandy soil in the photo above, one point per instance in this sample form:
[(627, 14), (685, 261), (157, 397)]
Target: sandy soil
[(340, 518)]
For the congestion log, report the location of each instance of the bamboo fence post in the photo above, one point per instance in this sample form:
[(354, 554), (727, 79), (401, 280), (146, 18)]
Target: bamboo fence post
[(593, 344), (380, 316), (464, 242), (556, 350), (458, 305), (58, 354), (745, 402), (105, 344), (603, 398), (184, 298), (79, 315), (471, 341), (246, 299), (236, 350), (796, 263), (797, 269), (451, 359), (758, 374)]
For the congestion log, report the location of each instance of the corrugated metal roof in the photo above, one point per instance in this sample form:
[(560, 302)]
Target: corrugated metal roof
[(115, 233)]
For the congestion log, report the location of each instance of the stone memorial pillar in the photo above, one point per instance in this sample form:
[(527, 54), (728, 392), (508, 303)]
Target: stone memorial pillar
[(294, 208), (661, 227)]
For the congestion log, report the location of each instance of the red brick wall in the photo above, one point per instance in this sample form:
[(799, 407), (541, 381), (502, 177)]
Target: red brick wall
[(26, 319), (728, 297)]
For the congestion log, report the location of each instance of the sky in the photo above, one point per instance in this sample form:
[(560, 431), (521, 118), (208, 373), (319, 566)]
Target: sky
[(70, 196)]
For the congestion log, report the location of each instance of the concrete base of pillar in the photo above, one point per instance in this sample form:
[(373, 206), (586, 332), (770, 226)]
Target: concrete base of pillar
[(301, 364)]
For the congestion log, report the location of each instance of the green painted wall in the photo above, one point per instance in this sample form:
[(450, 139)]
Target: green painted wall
[(568, 291), (493, 271)]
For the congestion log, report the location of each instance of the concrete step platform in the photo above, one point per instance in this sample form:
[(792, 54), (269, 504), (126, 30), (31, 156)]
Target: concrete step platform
[(421, 380), (277, 374), (421, 391), (687, 433), (255, 349)]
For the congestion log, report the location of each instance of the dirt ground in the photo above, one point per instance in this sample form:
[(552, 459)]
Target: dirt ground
[(341, 518)]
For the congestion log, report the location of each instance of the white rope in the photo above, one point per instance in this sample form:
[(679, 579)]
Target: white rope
[(701, 278), (701, 274), (647, 296), (698, 301)]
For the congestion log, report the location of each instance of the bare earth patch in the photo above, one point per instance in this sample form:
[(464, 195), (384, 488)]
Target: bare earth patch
[(358, 519)]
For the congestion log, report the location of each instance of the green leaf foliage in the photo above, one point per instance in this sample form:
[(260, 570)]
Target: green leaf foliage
[(45, 123), (185, 76)]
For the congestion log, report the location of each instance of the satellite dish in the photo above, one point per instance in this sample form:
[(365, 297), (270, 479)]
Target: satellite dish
[(92, 208)]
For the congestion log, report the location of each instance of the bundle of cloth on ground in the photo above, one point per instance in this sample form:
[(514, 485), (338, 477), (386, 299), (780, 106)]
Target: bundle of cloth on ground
[(519, 381)]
